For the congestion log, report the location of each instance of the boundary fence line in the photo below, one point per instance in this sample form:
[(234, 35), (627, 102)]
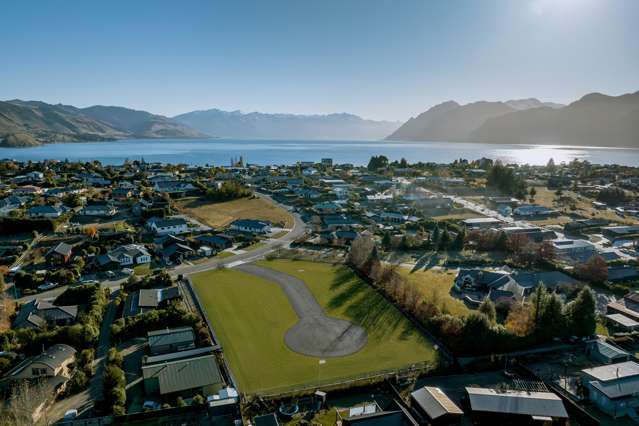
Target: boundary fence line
[(216, 342)]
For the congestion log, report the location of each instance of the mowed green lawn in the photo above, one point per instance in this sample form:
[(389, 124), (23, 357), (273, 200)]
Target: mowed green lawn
[(251, 315)]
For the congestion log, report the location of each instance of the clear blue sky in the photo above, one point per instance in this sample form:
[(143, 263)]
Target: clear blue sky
[(379, 59)]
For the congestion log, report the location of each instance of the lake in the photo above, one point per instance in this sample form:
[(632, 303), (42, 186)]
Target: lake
[(220, 151)]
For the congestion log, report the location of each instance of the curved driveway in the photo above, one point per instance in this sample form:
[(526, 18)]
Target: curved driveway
[(316, 334)]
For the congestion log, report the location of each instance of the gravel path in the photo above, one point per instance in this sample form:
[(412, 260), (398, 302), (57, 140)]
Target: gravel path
[(316, 334)]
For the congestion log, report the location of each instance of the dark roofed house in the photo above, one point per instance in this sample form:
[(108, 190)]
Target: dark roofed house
[(181, 373), (433, 404), (628, 306), (493, 406), (219, 241), (171, 340), (146, 300), (39, 314), (59, 254)]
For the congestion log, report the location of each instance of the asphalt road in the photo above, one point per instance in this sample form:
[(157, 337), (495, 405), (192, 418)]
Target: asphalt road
[(315, 334)]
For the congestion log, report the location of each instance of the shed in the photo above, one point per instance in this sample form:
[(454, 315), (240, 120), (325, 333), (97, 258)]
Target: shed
[(435, 405)]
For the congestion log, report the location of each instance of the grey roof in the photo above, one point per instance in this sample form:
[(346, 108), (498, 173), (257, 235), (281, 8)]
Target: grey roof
[(171, 336), (617, 388), (179, 355), (607, 350), (54, 357), (63, 249), (179, 375), (606, 373), (38, 312), (435, 402), (549, 279), (623, 320), (516, 402)]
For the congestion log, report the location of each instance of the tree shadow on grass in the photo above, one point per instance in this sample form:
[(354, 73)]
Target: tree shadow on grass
[(427, 261), (364, 306)]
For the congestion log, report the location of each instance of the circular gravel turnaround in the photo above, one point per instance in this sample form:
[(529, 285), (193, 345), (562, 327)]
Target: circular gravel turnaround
[(315, 334)]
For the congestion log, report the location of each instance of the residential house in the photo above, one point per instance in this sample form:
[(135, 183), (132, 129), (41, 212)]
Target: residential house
[(603, 352), (173, 226), (251, 226), (574, 250), (48, 212), (625, 232), (614, 388), (171, 340), (53, 364), (628, 306), (182, 373), (176, 253), (532, 211), (514, 407), (131, 254), (60, 254), (219, 241), (99, 209), (145, 300), (121, 194), (475, 285), (27, 190), (39, 314), (481, 223), (621, 323)]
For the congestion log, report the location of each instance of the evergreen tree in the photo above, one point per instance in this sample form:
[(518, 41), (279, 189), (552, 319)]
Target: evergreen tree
[(580, 313), (386, 240)]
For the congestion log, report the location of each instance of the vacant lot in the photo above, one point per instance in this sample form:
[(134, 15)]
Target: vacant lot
[(221, 214), (251, 315), (435, 285)]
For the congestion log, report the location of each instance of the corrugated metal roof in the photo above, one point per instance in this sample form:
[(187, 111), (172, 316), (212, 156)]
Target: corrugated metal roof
[(171, 336), (435, 402), (190, 373), (618, 388), (613, 371), (516, 402)]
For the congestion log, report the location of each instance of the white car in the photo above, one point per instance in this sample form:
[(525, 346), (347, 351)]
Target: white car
[(127, 271), (47, 286), (71, 414)]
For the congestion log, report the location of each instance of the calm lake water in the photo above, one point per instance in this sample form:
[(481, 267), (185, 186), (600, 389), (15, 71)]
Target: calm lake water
[(220, 151)]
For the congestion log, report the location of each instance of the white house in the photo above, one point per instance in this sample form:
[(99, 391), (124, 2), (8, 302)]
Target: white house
[(131, 254), (580, 250), (104, 209), (252, 226), (173, 226)]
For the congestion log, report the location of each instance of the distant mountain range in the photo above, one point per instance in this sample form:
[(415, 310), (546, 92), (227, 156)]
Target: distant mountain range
[(235, 124), (593, 120), (30, 123)]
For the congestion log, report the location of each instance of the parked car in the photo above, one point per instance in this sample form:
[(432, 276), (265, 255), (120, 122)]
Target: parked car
[(47, 286), (127, 271), (70, 414)]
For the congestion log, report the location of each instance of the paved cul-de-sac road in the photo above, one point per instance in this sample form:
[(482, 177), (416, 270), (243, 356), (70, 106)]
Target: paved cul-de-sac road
[(315, 334)]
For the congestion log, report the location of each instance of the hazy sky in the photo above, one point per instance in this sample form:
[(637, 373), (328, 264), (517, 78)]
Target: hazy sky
[(379, 59)]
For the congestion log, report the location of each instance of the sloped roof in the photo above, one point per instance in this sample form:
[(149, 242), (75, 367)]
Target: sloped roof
[(171, 336), (435, 402), (516, 402), (179, 375)]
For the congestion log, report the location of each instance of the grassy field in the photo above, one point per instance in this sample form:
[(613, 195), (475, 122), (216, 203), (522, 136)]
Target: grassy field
[(250, 317), (219, 215), (546, 197), (458, 214), (435, 285)]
